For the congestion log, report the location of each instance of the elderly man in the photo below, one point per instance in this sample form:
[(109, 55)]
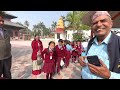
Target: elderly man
[(106, 45), (5, 51)]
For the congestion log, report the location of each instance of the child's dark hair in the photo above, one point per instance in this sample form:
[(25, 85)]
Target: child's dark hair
[(67, 42), (60, 40), (49, 45), (78, 41), (36, 35), (51, 42)]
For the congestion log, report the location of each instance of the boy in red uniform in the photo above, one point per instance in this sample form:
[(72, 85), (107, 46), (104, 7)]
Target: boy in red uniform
[(68, 53), (48, 56), (64, 45), (60, 51)]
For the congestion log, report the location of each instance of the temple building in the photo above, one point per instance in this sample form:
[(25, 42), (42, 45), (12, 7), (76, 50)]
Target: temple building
[(12, 27), (60, 30)]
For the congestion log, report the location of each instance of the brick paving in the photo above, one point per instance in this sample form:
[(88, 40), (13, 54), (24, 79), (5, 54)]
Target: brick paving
[(22, 63)]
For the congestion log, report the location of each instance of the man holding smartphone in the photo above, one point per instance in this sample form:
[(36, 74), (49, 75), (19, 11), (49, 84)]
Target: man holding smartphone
[(106, 45)]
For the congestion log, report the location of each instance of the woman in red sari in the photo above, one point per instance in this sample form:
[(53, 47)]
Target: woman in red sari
[(37, 48)]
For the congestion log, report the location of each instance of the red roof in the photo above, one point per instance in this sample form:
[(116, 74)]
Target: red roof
[(59, 30)]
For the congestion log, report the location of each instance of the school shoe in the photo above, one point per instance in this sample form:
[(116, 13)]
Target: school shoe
[(3, 78), (65, 66), (51, 78), (59, 73), (54, 74), (61, 67)]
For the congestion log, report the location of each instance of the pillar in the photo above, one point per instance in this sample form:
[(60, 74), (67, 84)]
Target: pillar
[(13, 33), (18, 34)]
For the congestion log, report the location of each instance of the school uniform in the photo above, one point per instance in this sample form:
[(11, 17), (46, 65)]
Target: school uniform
[(64, 46), (60, 53), (79, 48), (49, 61), (68, 54), (74, 53)]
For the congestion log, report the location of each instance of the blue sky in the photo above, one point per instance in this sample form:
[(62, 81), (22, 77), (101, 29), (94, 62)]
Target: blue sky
[(35, 17)]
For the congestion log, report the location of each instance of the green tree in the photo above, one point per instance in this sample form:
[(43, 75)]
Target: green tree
[(53, 28), (74, 20), (40, 29), (78, 36), (35, 29), (26, 23), (46, 31), (53, 25)]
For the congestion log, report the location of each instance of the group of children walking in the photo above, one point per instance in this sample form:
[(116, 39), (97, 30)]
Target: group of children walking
[(54, 54)]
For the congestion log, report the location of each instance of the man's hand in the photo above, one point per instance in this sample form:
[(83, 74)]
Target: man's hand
[(101, 71), (81, 61)]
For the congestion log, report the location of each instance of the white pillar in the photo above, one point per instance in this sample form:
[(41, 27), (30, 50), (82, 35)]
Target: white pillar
[(62, 36)]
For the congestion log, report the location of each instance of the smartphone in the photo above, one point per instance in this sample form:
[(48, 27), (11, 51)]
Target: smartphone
[(94, 60)]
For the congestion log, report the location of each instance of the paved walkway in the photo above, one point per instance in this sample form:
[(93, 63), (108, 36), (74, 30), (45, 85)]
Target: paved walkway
[(22, 64)]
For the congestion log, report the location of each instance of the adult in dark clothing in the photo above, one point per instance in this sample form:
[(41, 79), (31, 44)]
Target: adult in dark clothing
[(5, 51)]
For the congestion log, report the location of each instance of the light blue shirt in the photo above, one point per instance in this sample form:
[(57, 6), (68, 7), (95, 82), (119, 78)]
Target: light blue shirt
[(1, 32), (69, 47), (101, 51)]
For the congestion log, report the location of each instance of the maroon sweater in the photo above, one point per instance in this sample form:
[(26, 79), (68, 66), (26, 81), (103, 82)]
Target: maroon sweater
[(46, 55), (60, 52)]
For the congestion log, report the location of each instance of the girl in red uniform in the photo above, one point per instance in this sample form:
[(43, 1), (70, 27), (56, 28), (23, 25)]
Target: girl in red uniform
[(49, 56), (37, 48), (79, 48), (74, 52), (60, 53)]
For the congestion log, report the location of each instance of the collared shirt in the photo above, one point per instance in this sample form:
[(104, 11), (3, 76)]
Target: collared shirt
[(101, 51), (1, 32), (59, 46), (69, 47)]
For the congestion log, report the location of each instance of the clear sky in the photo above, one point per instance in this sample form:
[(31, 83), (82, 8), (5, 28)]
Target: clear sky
[(35, 17)]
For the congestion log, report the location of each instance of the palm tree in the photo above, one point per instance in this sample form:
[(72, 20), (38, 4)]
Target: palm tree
[(70, 20), (26, 23), (53, 25), (74, 20), (39, 29), (35, 29)]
